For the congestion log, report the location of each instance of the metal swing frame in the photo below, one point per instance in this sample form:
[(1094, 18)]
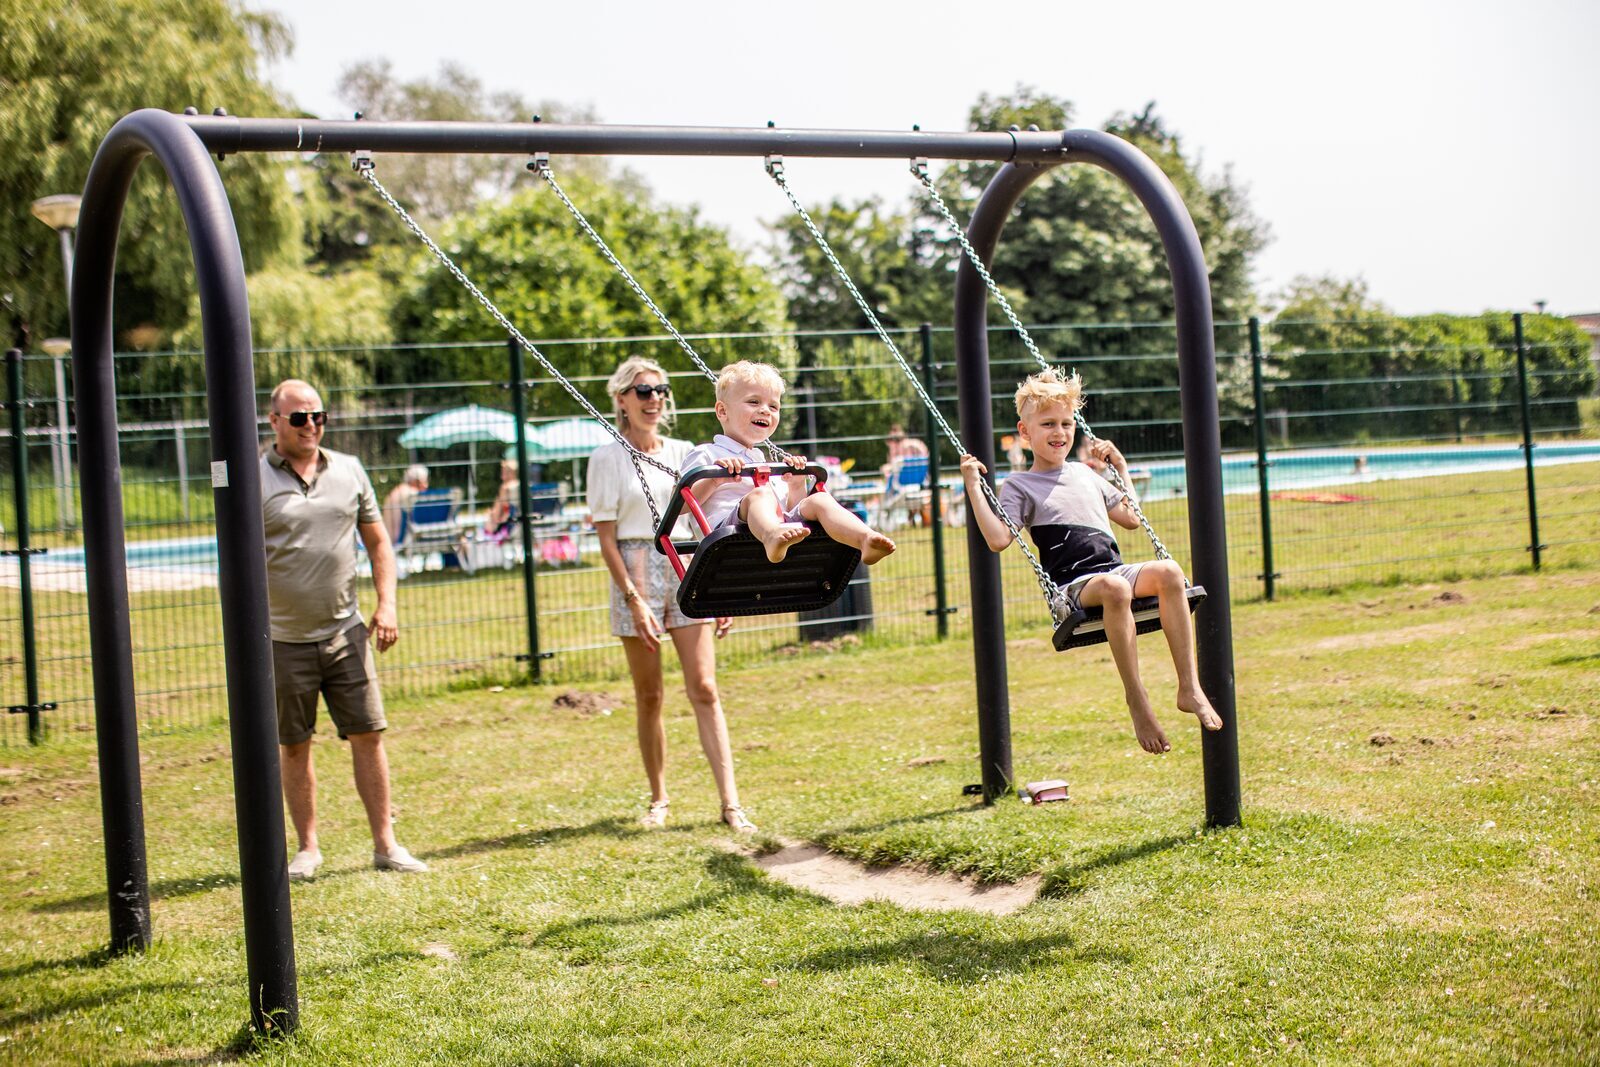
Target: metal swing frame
[(184, 145)]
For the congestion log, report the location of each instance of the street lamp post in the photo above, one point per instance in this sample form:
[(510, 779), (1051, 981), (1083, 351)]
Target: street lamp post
[(60, 213)]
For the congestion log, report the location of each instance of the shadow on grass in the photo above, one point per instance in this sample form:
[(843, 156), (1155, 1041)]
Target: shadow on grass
[(957, 958), (612, 826), (89, 958), (166, 889), (738, 878), (1071, 879), (904, 820)]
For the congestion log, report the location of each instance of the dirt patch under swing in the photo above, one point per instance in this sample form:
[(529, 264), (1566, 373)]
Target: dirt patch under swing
[(845, 881)]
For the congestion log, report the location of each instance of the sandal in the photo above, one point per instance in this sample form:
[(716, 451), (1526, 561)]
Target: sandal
[(737, 820), (655, 816)]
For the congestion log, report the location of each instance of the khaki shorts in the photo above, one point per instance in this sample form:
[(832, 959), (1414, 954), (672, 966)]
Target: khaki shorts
[(340, 669)]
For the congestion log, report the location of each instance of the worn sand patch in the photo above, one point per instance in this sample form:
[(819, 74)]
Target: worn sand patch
[(845, 881), (45, 577)]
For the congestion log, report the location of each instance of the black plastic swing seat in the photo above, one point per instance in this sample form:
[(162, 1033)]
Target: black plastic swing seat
[(730, 574), (1087, 626)]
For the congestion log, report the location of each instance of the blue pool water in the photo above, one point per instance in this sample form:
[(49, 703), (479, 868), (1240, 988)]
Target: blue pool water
[(1287, 470), (1312, 469)]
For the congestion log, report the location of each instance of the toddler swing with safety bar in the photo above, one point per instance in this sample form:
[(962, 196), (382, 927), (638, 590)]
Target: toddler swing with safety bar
[(1074, 628), (728, 573)]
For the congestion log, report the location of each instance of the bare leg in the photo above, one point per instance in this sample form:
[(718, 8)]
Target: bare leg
[(299, 779), (1115, 598), (372, 783), (759, 510), (644, 664), (843, 526), (1164, 579), (697, 653)]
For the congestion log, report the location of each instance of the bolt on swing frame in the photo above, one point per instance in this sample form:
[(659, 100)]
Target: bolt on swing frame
[(183, 145)]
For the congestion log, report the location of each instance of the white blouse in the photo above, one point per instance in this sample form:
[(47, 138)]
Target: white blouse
[(615, 494)]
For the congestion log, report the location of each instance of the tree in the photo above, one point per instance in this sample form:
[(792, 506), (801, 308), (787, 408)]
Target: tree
[(529, 257), (71, 70)]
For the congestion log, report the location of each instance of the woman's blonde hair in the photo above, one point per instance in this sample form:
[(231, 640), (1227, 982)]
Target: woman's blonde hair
[(749, 372), (1050, 387), (624, 377)]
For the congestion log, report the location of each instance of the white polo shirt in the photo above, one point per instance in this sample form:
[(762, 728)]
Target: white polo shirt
[(724, 499)]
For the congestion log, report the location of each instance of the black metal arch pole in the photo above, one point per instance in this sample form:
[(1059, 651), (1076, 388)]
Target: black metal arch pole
[(1202, 447), (241, 551)]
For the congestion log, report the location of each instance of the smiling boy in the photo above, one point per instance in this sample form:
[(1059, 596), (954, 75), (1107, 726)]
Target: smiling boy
[(749, 399), (1068, 509)]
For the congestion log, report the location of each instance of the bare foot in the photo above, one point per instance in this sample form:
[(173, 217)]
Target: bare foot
[(1147, 730), (784, 537), (1195, 703), (874, 546)]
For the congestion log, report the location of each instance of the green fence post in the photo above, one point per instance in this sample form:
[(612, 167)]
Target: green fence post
[(1268, 575), (530, 597), (941, 609), (24, 553), (1527, 437)]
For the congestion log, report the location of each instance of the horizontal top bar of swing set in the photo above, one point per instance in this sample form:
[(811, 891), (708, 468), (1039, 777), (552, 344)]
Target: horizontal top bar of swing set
[(227, 134)]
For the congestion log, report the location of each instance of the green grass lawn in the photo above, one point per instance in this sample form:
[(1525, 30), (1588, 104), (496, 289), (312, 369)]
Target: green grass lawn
[(1417, 879)]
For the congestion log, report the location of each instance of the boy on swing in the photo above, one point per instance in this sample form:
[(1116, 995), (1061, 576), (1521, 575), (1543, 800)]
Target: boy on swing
[(1068, 509), (748, 399)]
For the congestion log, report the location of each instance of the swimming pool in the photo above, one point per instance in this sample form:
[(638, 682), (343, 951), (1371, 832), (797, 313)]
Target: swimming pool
[(1321, 467), (1287, 470)]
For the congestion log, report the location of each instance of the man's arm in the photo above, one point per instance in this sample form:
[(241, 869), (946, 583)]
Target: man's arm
[(385, 619)]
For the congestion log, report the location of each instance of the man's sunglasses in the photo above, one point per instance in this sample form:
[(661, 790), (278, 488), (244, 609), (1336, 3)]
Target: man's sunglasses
[(643, 392), (298, 419)]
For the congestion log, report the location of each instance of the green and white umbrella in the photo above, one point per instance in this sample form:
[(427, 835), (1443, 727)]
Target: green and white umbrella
[(463, 426)]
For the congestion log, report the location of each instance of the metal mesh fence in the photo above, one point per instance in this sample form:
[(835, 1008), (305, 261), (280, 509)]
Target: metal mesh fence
[(1388, 456)]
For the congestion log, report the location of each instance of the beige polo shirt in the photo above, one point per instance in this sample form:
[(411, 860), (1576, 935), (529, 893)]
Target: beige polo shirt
[(311, 543)]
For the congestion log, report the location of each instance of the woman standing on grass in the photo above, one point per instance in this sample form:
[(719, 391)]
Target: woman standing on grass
[(644, 587)]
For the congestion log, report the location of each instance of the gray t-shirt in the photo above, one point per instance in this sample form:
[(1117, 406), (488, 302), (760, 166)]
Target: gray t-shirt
[(1065, 512), (311, 543)]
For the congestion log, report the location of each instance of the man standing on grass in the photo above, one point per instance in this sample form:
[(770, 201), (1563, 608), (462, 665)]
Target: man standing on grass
[(314, 502)]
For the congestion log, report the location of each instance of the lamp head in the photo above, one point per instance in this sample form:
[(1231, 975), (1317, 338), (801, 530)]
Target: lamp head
[(56, 346), (59, 212)]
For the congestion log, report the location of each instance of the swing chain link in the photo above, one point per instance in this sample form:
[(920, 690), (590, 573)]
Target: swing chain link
[(1052, 592), (919, 168), (363, 165), (540, 165)]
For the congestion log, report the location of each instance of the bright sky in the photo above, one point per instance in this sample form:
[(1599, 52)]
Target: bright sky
[(1446, 152)]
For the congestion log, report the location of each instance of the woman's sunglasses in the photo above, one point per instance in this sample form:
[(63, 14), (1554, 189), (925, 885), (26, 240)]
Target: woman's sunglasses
[(298, 419), (643, 392)]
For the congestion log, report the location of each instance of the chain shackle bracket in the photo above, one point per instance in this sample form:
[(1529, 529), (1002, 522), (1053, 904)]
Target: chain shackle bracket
[(539, 163)]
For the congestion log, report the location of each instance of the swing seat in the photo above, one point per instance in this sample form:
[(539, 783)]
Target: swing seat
[(1087, 626), (728, 573)]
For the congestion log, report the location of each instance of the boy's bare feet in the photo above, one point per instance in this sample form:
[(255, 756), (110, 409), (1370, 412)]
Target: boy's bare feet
[(1146, 729), (784, 537), (1196, 704), (874, 546)]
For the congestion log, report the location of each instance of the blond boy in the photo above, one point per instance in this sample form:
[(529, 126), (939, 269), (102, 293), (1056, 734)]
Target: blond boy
[(1068, 509), (749, 397)]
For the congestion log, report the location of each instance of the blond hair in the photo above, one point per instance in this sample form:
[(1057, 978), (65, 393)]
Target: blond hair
[(748, 372), (1049, 387), (626, 376)]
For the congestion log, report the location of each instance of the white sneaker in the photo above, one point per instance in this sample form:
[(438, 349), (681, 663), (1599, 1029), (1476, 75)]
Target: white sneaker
[(398, 860), (304, 866)]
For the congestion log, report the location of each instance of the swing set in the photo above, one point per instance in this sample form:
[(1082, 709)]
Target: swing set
[(726, 573)]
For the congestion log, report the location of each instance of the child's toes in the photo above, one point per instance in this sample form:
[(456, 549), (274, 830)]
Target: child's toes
[(874, 547)]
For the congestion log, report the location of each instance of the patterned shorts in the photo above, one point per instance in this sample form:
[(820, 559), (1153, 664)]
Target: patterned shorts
[(657, 583)]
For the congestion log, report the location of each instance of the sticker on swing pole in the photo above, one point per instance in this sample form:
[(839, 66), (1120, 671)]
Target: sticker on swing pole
[(219, 474)]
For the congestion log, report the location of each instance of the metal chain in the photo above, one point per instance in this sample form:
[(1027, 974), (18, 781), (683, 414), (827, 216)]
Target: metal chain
[(363, 166), (1052, 592), (920, 169), (541, 166)]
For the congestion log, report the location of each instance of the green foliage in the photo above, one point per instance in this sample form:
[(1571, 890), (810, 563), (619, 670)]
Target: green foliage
[(71, 70), (1339, 351), (528, 256), (320, 328)]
